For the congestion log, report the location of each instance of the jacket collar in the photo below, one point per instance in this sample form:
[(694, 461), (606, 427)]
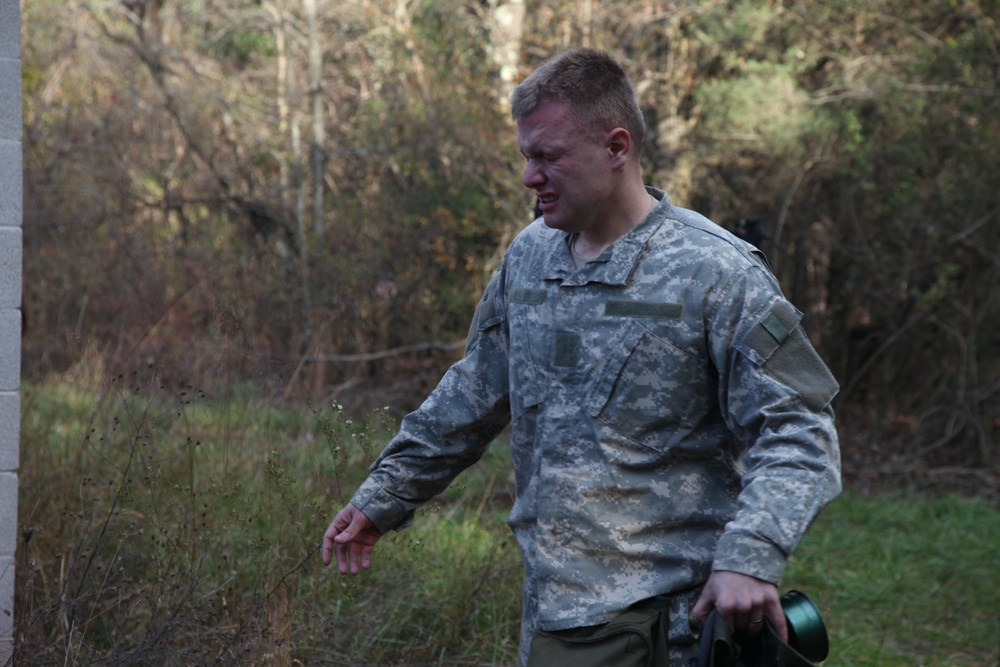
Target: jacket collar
[(618, 261)]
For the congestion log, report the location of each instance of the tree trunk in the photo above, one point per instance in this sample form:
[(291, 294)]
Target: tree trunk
[(291, 170), (507, 26), (317, 155)]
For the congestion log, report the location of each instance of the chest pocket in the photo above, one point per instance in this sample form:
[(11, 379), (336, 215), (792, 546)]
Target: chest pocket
[(649, 389), (530, 378)]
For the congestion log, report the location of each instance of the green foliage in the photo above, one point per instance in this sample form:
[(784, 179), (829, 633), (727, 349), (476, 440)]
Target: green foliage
[(764, 107), (865, 136), (142, 524), (241, 48), (176, 160), (754, 89), (161, 525), (903, 580), (161, 185), (919, 184)]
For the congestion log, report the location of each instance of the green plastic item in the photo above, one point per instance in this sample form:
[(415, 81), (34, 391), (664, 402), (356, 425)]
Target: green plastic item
[(806, 630)]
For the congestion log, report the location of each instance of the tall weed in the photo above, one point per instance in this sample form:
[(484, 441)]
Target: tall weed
[(161, 525), (164, 526)]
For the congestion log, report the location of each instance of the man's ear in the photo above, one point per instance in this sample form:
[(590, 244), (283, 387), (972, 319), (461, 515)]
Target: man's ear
[(619, 143)]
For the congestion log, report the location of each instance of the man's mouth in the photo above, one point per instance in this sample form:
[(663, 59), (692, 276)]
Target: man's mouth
[(545, 201)]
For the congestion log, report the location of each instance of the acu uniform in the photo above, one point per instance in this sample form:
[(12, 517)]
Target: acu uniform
[(669, 417)]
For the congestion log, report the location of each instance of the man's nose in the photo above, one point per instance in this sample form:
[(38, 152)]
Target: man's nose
[(532, 176)]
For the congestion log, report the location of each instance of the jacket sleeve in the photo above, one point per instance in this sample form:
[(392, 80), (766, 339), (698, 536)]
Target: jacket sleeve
[(776, 395), (450, 431)]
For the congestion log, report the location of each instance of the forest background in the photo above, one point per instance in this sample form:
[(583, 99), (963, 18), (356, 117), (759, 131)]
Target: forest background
[(237, 212), (307, 197)]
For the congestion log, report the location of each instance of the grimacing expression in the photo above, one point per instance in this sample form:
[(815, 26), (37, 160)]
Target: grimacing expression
[(568, 166)]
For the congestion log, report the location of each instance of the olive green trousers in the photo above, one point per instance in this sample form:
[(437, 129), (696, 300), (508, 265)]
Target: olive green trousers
[(637, 638)]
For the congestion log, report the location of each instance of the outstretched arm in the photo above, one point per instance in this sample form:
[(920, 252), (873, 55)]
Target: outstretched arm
[(352, 536)]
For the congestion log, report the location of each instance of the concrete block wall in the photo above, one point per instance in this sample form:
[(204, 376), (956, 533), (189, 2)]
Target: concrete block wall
[(10, 307)]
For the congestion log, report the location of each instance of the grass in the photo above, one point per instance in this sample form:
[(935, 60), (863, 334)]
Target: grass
[(905, 580), (164, 526)]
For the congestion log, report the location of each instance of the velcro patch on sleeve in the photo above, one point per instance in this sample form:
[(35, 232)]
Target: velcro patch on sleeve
[(790, 358), (773, 330)]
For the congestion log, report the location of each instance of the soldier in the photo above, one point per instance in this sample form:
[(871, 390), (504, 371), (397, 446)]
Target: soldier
[(671, 429)]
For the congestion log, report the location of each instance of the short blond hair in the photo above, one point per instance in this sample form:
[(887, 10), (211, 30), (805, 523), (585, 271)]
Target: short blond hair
[(594, 86)]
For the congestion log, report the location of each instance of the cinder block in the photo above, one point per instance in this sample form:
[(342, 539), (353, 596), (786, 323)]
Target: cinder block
[(10, 349), (10, 267), (10, 430), (10, 101), (6, 594), (11, 211), (10, 30), (6, 606), (8, 513), (11, 183)]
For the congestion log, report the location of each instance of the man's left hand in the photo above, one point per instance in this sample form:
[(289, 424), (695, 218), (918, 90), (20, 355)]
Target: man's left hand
[(743, 601)]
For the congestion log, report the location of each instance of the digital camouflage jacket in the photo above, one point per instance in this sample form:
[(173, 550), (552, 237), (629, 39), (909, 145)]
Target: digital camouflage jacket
[(668, 417)]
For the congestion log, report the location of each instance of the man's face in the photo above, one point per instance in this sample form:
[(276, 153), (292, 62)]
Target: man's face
[(568, 167)]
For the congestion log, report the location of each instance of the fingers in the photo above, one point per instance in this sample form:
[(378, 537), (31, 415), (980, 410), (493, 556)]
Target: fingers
[(339, 524), (703, 607), (776, 615), (770, 610), (353, 557), (745, 613), (744, 602), (350, 540), (753, 622)]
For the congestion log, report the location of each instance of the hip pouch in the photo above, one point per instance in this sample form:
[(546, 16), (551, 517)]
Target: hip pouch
[(637, 638)]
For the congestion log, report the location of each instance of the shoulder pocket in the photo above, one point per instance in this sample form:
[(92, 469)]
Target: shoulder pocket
[(780, 347), (488, 312)]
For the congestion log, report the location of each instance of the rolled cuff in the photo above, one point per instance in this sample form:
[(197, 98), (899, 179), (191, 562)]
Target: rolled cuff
[(385, 510), (751, 556)]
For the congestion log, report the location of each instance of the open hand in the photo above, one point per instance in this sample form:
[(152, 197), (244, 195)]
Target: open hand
[(352, 536)]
